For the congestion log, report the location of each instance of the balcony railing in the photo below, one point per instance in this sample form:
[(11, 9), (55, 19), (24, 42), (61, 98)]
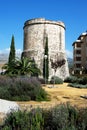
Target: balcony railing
[(77, 55), (77, 48), (79, 62)]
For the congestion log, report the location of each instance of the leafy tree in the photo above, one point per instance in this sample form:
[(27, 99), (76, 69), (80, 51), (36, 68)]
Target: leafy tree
[(57, 64), (46, 61)]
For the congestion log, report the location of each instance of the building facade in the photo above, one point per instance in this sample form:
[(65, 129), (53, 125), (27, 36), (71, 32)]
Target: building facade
[(35, 31), (80, 53)]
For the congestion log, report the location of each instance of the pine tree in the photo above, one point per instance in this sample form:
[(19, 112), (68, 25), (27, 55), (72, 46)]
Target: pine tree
[(12, 51), (46, 62)]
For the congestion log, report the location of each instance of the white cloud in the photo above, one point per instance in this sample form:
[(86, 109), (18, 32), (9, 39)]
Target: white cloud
[(69, 54), (0, 52), (7, 50), (4, 51), (18, 51)]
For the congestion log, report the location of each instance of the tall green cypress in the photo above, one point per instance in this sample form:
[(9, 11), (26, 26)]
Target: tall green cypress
[(46, 61), (12, 51)]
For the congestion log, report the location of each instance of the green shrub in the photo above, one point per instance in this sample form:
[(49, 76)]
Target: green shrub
[(56, 80), (42, 95), (61, 117), (71, 79), (82, 119), (5, 80), (22, 89), (76, 85), (47, 115), (77, 82), (23, 120), (4, 93), (42, 80), (82, 80)]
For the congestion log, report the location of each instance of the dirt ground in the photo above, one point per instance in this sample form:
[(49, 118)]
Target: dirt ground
[(61, 93)]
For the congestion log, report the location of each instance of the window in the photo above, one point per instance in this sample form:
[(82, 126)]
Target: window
[(78, 58), (78, 45), (78, 51), (78, 65)]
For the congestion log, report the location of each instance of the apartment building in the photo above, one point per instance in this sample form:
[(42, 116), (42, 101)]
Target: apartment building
[(80, 54)]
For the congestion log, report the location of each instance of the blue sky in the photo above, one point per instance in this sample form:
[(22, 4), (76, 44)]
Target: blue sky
[(13, 14)]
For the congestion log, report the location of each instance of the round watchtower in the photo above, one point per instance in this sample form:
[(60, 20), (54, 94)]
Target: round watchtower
[(35, 31)]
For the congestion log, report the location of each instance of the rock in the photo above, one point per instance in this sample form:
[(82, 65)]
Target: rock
[(5, 108), (84, 96), (8, 106)]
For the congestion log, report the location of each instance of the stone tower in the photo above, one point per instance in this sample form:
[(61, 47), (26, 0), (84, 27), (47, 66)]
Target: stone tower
[(35, 31)]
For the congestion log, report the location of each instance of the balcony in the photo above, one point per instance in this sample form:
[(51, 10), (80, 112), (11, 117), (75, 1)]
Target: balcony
[(77, 55), (77, 69), (77, 62), (77, 48)]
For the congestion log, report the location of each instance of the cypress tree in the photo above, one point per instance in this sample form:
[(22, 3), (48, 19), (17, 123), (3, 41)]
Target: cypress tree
[(12, 51), (46, 61)]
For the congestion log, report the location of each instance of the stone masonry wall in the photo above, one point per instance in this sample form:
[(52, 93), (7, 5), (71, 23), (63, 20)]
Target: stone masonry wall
[(34, 44)]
